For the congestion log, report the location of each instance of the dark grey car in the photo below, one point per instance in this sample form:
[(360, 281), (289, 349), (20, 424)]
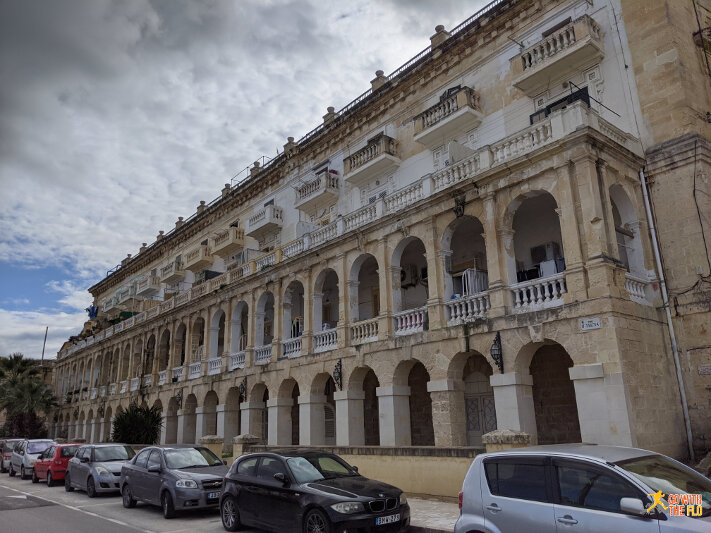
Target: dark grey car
[(96, 468), (177, 478)]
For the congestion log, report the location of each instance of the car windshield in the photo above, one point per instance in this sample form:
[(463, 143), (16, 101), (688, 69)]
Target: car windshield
[(68, 451), (661, 473), (38, 447), (113, 453), (9, 446), (318, 467), (190, 457)]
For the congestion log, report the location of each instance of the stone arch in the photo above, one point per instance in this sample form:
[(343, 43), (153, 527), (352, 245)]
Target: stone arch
[(414, 376), (232, 415), (239, 325), (288, 416), (364, 383), (627, 231), (217, 333), (473, 396), (293, 310), (138, 362), (180, 345), (196, 347), (464, 256), (125, 362), (326, 301), (96, 372), (164, 350), (149, 360), (171, 422), (209, 414), (321, 407), (259, 414), (264, 319), (364, 288), (190, 404), (108, 416), (410, 289)]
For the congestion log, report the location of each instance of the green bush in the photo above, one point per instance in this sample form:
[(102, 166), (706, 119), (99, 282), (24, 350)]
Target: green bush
[(137, 425)]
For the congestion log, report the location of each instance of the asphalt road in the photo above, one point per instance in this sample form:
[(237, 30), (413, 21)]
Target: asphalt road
[(29, 508)]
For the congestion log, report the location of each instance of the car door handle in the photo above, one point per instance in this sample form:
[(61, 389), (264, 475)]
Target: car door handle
[(567, 519), (493, 508)]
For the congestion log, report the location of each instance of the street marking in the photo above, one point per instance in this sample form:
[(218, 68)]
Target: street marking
[(20, 497), (74, 508)]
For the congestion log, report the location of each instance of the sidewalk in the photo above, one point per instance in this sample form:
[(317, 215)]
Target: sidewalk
[(432, 516)]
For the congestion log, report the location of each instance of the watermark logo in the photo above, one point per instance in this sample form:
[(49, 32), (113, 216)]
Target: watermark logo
[(657, 500), (679, 504)]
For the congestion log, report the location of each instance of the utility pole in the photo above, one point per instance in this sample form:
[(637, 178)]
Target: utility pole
[(43, 345)]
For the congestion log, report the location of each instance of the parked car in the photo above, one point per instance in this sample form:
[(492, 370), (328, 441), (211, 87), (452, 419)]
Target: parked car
[(6, 448), (96, 468), (25, 454), (578, 487), (51, 465), (177, 478), (308, 491)]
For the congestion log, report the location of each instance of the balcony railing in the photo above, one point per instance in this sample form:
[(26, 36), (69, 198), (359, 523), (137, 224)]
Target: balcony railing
[(326, 340), (177, 373), (112, 388), (539, 293), (172, 272), (198, 258), (467, 308), (227, 242), (376, 158), (266, 261), (567, 50), (148, 286), (162, 376), (455, 114), (214, 366), (198, 353), (291, 347), (364, 331), (124, 386), (410, 321), (293, 248), (125, 294), (637, 289), (94, 393), (134, 383), (262, 354), (217, 282), (195, 370), (266, 220), (182, 298), (147, 380), (322, 191), (102, 391), (237, 360)]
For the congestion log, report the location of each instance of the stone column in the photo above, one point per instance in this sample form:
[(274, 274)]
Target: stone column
[(280, 421), (309, 328), (92, 427), (220, 425), (107, 438), (312, 418), (344, 316), (181, 426), (513, 398), (394, 408), (448, 413), (602, 405), (382, 254), (435, 311), (102, 427), (229, 418), (252, 418), (278, 320), (200, 422), (496, 257), (164, 428), (350, 423)]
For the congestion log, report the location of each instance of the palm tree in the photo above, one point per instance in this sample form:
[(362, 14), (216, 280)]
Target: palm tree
[(17, 365)]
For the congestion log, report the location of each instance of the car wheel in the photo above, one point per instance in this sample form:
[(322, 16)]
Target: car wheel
[(316, 522), (2, 467), (22, 472), (68, 483), (12, 471), (50, 482), (166, 501), (128, 501), (90, 487), (230, 514), (35, 479)]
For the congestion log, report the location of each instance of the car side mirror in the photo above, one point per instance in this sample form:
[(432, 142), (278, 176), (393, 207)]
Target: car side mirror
[(279, 476), (224, 462), (84, 459), (154, 468), (633, 506), (355, 469)]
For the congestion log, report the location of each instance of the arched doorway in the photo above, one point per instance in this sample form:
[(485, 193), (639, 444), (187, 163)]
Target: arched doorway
[(364, 294), (554, 400), (421, 427), (325, 301), (197, 340), (180, 346), (239, 328), (410, 290), (232, 416), (164, 350), (479, 406), (150, 355), (288, 413), (217, 334), (171, 422), (265, 320), (209, 413)]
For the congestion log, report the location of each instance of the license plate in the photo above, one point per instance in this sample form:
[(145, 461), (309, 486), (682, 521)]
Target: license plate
[(387, 519), (213, 495)]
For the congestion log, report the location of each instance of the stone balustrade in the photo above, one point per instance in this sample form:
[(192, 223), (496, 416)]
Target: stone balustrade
[(381, 144), (467, 308), (112, 388), (410, 321), (94, 393), (237, 360), (262, 354), (291, 347), (637, 289), (177, 373), (214, 366), (162, 377), (364, 331), (539, 293), (194, 370), (134, 384), (147, 380), (325, 340), (124, 386)]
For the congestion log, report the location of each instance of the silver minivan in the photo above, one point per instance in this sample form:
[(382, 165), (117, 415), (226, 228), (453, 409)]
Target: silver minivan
[(581, 488)]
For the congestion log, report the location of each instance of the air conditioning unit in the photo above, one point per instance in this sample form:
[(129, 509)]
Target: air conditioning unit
[(408, 275)]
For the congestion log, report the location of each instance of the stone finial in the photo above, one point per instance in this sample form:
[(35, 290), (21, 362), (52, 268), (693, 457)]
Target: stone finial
[(226, 190), (143, 248), (439, 36), (126, 260), (289, 147), (160, 235), (179, 222), (330, 115), (378, 81), (255, 169), (201, 207)]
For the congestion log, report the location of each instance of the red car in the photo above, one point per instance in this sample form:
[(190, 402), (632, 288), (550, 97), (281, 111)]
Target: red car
[(52, 463)]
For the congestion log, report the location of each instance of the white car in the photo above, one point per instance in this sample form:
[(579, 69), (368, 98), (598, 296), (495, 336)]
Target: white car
[(581, 487), (25, 454)]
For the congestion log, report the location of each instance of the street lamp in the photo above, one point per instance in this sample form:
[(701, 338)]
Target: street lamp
[(496, 352)]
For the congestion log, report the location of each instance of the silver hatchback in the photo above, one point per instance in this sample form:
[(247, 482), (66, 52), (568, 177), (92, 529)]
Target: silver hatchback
[(96, 468), (582, 488)]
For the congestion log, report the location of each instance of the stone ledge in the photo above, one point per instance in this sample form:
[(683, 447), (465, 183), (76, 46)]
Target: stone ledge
[(211, 439), (385, 451)]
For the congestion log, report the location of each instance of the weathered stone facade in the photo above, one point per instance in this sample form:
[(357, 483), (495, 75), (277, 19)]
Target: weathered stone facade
[(472, 192)]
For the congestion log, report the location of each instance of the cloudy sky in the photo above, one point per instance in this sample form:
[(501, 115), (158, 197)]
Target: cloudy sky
[(116, 117)]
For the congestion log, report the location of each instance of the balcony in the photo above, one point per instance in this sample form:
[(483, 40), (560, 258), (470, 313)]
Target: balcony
[(364, 331), (135, 383), (177, 373), (237, 360), (456, 113), (148, 286), (102, 391), (126, 297), (467, 308), (214, 366), (162, 376), (147, 380), (638, 289), (318, 193), (410, 321), (566, 51), (325, 340), (108, 304), (541, 293), (112, 389), (262, 354), (198, 258), (172, 272), (377, 158), (291, 348), (227, 242), (124, 386), (265, 221), (194, 370)]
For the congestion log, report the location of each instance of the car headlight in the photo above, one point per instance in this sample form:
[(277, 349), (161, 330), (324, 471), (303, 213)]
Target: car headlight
[(31, 460), (102, 471), (186, 484), (403, 499), (348, 507)]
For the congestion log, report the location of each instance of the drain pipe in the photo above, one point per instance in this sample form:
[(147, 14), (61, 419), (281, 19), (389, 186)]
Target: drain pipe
[(670, 324)]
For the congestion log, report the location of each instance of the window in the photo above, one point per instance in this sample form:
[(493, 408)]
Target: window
[(268, 467), (592, 488), (524, 480), (68, 451), (142, 458), (248, 467), (113, 453), (154, 459)]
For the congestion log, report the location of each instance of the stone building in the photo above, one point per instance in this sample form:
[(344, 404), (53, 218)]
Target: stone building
[(464, 247)]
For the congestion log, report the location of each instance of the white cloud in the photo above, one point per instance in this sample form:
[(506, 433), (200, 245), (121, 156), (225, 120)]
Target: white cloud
[(23, 331), (74, 295)]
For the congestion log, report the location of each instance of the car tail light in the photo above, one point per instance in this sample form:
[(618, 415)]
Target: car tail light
[(460, 499), (58, 463)]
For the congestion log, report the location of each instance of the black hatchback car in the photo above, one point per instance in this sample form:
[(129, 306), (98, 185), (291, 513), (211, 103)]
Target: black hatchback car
[(308, 491)]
